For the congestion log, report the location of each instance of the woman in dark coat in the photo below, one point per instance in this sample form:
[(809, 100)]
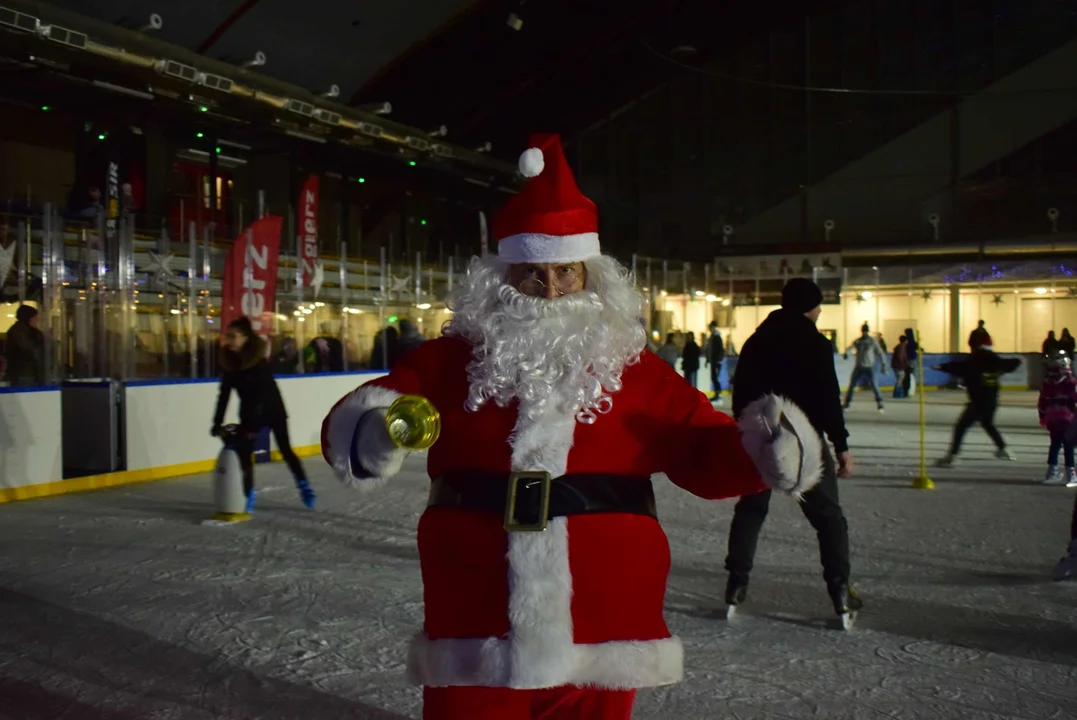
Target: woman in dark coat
[(245, 370), (690, 359)]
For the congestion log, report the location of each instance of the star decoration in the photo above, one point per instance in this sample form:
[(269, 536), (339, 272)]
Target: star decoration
[(158, 265), (399, 284), (859, 297), (1073, 292), (926, 295), (998, 300), (317, 278)]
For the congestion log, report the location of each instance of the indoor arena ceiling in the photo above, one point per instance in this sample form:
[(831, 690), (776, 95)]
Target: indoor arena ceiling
[(488, 70)]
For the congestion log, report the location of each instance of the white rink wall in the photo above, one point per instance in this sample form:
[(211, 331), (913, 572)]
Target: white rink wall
[(169, 423), (30, 449), (168, 426)]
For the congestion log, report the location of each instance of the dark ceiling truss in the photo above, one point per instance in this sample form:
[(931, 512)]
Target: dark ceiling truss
[(70, 43)]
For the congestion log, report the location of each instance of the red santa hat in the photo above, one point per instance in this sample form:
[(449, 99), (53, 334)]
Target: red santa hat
[(549, 220)]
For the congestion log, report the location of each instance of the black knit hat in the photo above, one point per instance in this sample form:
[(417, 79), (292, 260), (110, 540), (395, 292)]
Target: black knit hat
[(25, 313), (801, 295)]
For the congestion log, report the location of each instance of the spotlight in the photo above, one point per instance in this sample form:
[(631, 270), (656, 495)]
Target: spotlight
[(155, 23), (258, 60), (381, 108)]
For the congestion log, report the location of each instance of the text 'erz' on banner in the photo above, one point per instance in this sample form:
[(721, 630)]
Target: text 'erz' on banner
[(250, 278), (308, 228)]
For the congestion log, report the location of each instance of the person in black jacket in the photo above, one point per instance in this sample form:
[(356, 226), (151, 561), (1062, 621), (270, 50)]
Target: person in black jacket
[(245, 370), (980, 373), (810, 381), (25, 349), (690, 359), (715, 356)]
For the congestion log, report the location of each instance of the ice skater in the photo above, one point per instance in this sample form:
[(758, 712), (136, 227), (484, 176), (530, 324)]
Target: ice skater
[(980, 373), (764, 368), (245, 370), (715, 355), (868, 354), (1058, 407)]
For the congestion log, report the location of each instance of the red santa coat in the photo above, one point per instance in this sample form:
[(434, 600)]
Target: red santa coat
[(578, 604)]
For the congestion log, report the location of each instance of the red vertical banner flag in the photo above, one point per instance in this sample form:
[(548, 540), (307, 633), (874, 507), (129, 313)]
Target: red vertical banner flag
[(308, 228), (250, 277)]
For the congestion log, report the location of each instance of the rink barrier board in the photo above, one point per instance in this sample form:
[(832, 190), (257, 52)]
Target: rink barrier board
[(125, 477), (168, 425), (1028, 376)]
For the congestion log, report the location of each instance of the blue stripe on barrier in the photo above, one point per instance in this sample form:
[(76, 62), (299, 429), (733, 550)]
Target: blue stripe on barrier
[(38, 389)]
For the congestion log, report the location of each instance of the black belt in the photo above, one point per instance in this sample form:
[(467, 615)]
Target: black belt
[(529, 499)]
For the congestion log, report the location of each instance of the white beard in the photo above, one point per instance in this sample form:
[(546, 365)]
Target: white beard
[(564, 355)]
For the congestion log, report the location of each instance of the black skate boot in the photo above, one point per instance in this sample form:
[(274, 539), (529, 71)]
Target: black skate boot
[(736, 592), (846, 603)]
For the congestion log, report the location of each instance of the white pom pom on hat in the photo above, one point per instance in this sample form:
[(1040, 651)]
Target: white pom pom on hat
[(532, 162)]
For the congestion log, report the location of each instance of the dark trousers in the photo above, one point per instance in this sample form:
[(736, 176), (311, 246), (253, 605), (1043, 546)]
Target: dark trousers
[(690, 376), (977, 412), (1059, 445), (906, 381), (862, 374), (1073, 521), (245, 448), (716, 374), (821, 508)]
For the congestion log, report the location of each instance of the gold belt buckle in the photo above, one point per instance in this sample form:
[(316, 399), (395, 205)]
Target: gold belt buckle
[(531, 477)]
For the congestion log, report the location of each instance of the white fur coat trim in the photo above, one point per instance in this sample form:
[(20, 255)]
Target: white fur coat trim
[(488, 662), (540, 580), (785, 447), (360, 419)]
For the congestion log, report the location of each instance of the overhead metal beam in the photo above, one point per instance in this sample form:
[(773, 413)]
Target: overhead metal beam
[(142, 53)]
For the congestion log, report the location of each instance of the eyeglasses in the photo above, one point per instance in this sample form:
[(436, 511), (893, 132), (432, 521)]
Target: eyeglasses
[(565, 279)]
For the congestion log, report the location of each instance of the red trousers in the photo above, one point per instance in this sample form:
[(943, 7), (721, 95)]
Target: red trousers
[(562, 703)]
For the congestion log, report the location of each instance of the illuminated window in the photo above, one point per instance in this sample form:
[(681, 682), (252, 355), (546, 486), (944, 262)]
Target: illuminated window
[(205, 191)]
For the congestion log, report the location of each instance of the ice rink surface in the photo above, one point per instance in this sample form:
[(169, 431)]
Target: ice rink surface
[(120, 605)]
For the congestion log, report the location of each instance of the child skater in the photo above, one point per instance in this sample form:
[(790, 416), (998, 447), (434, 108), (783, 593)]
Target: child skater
[(1058, 407), (245, 370)]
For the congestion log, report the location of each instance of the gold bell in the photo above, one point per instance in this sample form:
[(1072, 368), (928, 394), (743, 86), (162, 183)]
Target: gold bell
[(413, 422)]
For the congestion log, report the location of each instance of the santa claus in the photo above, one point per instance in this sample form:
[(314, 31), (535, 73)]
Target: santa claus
[(543, 563)]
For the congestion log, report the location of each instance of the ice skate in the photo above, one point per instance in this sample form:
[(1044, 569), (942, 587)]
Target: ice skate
[(1066, 569), (946, 460), (882, 410), (306, 492), (736, 592), (1004, 454), (1071, 477), (847, 603), (1054, 476)]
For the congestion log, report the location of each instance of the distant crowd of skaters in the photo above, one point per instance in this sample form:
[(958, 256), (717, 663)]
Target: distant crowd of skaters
[(978, 373)]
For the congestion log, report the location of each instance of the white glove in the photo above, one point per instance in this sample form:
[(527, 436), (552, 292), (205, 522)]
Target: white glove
[(374, 449), (786, 449)]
